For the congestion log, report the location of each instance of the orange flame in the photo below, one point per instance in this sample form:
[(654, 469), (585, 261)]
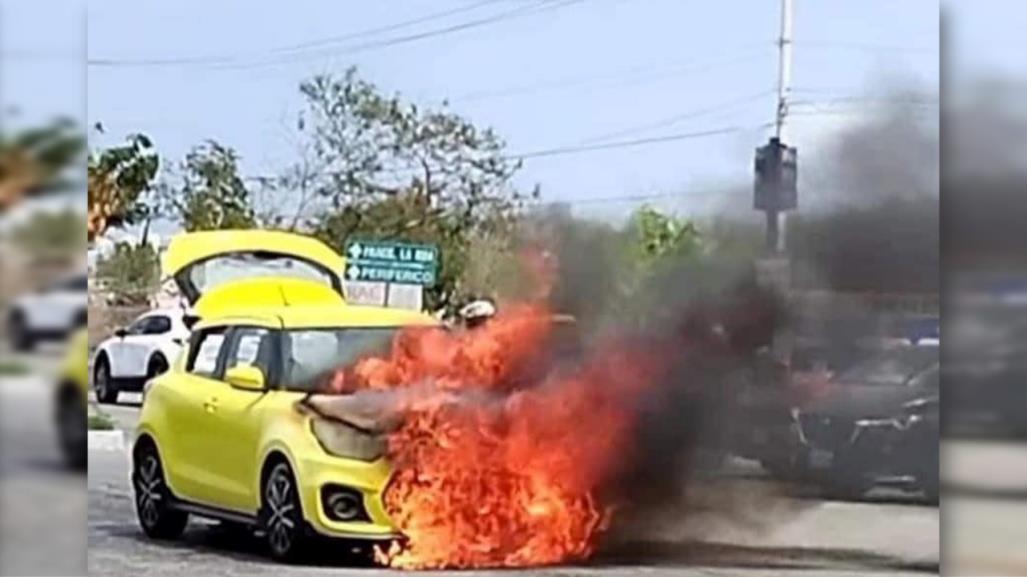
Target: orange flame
[(489, 472)]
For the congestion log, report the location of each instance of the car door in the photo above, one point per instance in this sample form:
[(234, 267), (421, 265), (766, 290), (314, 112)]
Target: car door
[(235, 419), (188, 446), (119, 350), (137, 347)]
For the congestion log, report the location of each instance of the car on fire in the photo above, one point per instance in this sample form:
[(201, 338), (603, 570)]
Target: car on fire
[(877, 423), (230, 431)]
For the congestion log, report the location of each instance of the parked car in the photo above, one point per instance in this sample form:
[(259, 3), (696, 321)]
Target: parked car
[(986, 371), (873, 427), (138, 353), (52, 313)]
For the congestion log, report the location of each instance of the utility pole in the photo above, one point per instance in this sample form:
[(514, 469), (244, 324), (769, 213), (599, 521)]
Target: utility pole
[(777, 220), (776, 186)]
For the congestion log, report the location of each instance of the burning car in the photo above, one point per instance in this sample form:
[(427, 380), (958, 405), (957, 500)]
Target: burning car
[(220, 435)]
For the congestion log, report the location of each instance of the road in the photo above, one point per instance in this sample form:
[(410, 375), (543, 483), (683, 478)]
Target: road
[(808, 537), (42, 505)]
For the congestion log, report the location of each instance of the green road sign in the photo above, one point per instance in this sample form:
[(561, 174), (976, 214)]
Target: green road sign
[(391, 262)]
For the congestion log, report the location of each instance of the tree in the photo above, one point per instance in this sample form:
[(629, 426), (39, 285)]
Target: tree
[(34, 161), (212, 194), (118, 177), (130, 273), (388, 169), (52, 236)]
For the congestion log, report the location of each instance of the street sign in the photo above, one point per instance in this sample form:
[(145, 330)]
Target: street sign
[(391, 262), (406, 296), (365, 293)]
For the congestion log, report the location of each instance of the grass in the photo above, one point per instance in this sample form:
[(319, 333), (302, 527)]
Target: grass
[(12, 369), (100, 422)]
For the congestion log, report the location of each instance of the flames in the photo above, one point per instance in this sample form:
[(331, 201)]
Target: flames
[(502, 456)]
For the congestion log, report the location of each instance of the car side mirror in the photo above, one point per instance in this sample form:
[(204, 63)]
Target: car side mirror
[(121, 333), (189, 320), (246, 377)]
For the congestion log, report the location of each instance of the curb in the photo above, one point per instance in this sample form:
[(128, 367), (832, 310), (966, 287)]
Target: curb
[(106, 441)]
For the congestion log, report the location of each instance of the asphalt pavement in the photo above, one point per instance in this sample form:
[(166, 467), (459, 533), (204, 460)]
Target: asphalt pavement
[(887, 534), (42, 504)]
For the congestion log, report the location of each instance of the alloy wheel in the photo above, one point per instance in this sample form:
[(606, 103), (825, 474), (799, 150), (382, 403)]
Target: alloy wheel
[(149, 494), (280, 525)]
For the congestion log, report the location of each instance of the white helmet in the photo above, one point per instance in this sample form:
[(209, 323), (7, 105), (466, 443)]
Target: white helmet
[(478, 310)]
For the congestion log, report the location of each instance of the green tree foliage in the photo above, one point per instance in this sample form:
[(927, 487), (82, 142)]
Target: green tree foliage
[(212, 194), (130, 273), (52, 236), (35, 160), (387, 169), (118, 179), (610, 273)]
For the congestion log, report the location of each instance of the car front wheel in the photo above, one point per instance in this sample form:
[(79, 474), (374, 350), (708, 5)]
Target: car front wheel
[(282, 515), (103, 383), (157, 517)]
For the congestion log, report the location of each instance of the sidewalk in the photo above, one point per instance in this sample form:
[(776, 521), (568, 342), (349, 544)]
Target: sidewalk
[(985, 467)]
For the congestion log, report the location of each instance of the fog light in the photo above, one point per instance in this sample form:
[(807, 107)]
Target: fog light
[(343, 504)]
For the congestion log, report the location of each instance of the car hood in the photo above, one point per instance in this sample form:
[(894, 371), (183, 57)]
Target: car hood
[(855, 401), (373, 413), (189, 250)]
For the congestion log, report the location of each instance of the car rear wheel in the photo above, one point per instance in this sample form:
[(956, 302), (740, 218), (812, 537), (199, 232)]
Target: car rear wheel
[(21, 337), (103, 383), (282, 515), (157, 517), (71, 426)]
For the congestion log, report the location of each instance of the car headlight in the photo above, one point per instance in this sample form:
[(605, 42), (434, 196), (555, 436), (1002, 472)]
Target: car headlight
[(342, 440)]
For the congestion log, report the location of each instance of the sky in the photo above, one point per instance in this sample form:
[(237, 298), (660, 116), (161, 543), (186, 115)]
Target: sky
[(543, 76)]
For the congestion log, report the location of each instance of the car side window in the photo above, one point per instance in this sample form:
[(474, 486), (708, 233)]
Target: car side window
[(205, 351), (156, 325), (138, 327), (250, 346)]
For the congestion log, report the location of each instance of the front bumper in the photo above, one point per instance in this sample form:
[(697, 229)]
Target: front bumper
[(370, 480), (870, 448)]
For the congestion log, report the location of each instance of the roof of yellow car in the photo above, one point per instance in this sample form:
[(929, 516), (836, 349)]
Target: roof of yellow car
[(188, 248), (306, 316)]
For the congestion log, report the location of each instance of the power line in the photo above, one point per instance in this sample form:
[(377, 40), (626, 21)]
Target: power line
[(868, 47), (628, 143), (223, 63), (671, 120), (633, 197), (386, 28), (635, 75)]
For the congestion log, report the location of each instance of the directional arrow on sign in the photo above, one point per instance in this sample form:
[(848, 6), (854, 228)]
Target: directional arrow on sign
[(353, 272), (355, 251)]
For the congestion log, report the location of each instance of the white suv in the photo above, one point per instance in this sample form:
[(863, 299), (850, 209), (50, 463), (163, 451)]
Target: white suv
[(136, 354), (52, 313)]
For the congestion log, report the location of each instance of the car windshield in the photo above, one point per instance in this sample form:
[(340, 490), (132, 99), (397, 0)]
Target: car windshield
[(311, 354), (226, 268), (892, 368)]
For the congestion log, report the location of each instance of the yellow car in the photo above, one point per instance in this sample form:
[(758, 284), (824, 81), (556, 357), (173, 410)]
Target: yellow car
[(70, 401), (224, 434)]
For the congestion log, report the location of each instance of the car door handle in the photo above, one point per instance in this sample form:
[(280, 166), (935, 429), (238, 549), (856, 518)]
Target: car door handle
[(211, 405)]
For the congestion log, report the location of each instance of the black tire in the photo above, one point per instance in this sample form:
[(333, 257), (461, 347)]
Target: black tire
[(71, 426), (281, 516), (158, 518), (22, 339), (104, 385), (157, 366)]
